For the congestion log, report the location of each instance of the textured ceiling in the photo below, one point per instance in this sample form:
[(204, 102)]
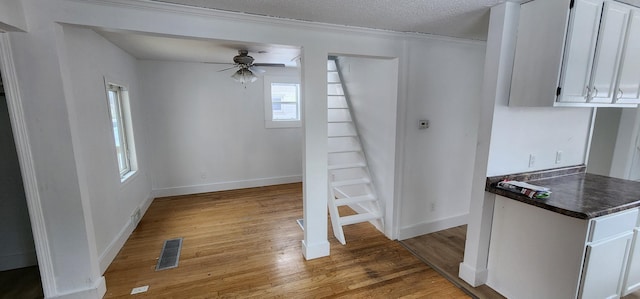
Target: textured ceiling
[(173, 48), (456, 18)]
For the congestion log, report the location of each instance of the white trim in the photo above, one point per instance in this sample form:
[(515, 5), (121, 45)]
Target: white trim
[(431, 226), (472, 276), (149, 5), (228, 185), (110, 253), (401, 136), (315, 251), (27, 168), (97, 290)]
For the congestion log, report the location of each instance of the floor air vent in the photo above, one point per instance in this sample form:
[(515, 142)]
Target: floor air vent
[(170, 254)]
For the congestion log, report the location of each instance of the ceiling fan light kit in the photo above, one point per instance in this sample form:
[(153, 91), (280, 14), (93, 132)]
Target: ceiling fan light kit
[(244, 75), (247, 68)]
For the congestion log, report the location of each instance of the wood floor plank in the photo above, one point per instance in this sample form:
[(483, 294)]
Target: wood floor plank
[(23, 283), (444, 251), (246, 244)]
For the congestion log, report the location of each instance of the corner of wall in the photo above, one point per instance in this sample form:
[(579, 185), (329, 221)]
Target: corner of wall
[(98, 290), (110, 253), (428, 227)]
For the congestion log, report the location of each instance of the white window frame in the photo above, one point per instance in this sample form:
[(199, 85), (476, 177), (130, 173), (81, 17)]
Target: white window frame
[(269, 122), (125, 137)]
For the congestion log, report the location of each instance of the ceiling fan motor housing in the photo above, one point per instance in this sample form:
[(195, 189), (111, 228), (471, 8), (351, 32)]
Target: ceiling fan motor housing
[(243, 58)]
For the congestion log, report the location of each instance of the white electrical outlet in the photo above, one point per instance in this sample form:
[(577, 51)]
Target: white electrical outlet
[(532, 160), (558, 157), (139, 290), (135, 218)]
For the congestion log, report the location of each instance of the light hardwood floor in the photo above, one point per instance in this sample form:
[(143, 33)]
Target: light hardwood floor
[(246, 243), (444, 251)]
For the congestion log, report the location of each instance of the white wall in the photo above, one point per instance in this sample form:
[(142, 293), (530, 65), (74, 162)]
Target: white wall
[(12, 16), (444, 84), (626, 141), (372, 87), (91, 58), (207, 132), (17, 248), (518, 132), (603, 141)]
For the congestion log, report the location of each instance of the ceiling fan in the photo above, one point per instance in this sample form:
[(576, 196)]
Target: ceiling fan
[(246, 68)]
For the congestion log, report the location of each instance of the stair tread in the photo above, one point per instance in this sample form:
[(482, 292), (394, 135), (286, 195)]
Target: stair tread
[(353, 219), (350, 182), (347, 165), (343, 135), (354, 200), (345, 150)]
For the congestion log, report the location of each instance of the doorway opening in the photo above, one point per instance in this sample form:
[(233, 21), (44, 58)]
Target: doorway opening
[(19, 271)]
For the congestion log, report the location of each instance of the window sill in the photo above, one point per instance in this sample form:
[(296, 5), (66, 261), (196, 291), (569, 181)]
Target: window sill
[(282, 124), (127, 177)]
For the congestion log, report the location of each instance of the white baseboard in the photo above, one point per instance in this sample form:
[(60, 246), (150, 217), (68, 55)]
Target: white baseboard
[(472, 276), (116, 244), (432, 226), (19, 260), (96, 291), (315, 251), (230, 185)]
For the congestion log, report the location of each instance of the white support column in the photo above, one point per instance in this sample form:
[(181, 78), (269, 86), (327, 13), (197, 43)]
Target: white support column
[(62, 230), (315, 190), (497, 80)]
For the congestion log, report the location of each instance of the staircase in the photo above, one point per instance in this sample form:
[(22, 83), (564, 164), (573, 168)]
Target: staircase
[(350, 182)]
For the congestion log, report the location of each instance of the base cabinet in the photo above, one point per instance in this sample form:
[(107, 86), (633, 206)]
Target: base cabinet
[(570, 257), (632, 279), (604, 267)]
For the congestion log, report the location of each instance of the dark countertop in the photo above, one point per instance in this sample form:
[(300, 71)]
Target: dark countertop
[(575, 193)]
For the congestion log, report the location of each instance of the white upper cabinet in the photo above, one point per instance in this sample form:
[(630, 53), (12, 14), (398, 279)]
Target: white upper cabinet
[(613, 28), (580, 49), (629, 80), (596, 62)]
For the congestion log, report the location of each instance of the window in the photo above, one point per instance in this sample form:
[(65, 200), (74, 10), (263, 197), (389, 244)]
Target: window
[(120, 119), (282, 102)]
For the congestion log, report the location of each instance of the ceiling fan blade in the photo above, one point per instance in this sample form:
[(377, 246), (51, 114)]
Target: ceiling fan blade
[(256, 70), (270, 64), (212, 62), (227, 69)]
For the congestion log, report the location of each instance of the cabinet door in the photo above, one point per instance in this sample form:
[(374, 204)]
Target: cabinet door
[(628, 91), (604, 267), (632, 281), (611, 37), (579, 50)]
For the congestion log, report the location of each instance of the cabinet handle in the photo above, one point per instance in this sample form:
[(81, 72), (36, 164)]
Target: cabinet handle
[(620, 93)]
